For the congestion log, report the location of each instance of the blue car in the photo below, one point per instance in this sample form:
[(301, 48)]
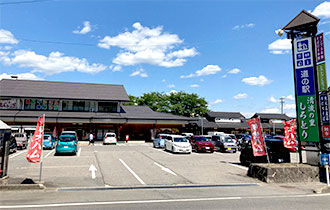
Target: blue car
[(48, 142), (67, 144), (159, 142)]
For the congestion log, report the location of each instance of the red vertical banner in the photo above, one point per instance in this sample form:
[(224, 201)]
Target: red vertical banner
[(257, 140), (289, 134), (55, 132), (34, 153)]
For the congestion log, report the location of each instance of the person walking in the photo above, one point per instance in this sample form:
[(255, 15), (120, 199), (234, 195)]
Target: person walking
[(91, 139)]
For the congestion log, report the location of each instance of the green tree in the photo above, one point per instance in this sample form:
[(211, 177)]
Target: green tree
[(132, 102), (181, 103)]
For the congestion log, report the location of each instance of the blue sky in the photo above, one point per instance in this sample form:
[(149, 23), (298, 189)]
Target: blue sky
[(225, 51)]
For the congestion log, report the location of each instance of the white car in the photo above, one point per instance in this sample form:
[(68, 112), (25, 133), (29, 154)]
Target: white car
[(110, 138), (177, 144)]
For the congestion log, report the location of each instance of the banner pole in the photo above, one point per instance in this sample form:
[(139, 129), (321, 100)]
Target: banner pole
[(42, 139), (264, 140)]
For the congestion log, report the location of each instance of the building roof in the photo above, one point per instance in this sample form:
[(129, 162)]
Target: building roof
[(270, 116), (135, 113), (4, 126), (226, 115), (302, 19), (62, 90)]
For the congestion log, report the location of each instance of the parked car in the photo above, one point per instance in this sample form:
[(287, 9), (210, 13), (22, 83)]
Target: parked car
[(48, 142), (21, 140), (177, 144), (202, 143), (241, 138), (159, 142), (233, 137), (275, 148), (66, 144), (70, 133), (224, 143), (110, 138), (282, 138)]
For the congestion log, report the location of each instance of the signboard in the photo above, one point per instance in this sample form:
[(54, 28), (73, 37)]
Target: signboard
[(324, 107), (305, 81), (257, 140), (326, 131), (319, 42), (322, 77), (324, 159), (306, 92), (307, 116), (303, 53)]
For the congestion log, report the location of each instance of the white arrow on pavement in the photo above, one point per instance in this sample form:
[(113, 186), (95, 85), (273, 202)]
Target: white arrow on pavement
[(92, 169), (165, 169)]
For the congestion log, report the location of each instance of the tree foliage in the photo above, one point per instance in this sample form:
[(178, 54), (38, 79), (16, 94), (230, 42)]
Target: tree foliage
[(180, 103)]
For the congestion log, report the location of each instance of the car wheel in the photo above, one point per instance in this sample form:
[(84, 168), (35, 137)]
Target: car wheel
[(234, 151), (211, 151), (172, 149)]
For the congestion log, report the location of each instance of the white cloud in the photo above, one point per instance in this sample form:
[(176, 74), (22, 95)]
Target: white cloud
[(239, 27), (26, 76), (171, 86), (115, 68), (163, 80), (234, 71), (207, 70), (87, 28), (6, 37), (260, 81), (289, 106), (194, 86), (140, 72), (290, 97), (218, 101), (241, 96), (271, 110), (148, 46), (273, 100), (55, 63), (280, 46), (322, 10), (173, 92)]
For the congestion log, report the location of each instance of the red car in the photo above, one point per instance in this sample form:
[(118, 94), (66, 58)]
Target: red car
[(202, 143)]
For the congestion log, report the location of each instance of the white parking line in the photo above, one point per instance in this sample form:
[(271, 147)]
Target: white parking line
[(49, 153), (238, 166), (79, 151), (17, 154), (161, 150), (165, 169), (132, 172)]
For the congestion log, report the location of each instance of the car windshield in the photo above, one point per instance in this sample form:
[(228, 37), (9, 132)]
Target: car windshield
[(46, 137), (162, 137), (111, 135), (67, 138), (180, 139), (228, 140), (202, 138)]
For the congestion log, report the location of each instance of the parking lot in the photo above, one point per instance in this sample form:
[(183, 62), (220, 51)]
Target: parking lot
[(125, 165)]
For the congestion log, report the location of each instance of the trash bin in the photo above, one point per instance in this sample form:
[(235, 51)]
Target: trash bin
[(5, 134)]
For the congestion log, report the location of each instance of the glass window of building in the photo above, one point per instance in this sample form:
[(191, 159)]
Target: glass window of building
[(107, 107), (67, 105), (78, 106)]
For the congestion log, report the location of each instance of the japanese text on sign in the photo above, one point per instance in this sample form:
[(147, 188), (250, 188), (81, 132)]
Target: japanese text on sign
[(257, 140), (319, 41), (324, 105), (305, 81)]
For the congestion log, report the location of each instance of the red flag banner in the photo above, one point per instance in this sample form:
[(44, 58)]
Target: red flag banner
[(289, 134), (34, 153), (55, 132), (257, 140)]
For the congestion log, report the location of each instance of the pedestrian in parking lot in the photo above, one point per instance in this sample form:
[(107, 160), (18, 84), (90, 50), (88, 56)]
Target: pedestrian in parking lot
[(91, 139)]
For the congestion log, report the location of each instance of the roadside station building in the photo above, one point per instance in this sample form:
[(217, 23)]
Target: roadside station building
[(81, 107), (235, 122)]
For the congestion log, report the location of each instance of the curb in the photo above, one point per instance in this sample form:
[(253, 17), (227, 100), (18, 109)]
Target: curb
[(324, 189), (22, 187)]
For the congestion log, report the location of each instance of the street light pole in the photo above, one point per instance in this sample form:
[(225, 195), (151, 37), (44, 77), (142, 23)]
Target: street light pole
[(282, 103)]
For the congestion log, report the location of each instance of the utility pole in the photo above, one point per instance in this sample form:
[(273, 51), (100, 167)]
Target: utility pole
[(282, 103)]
